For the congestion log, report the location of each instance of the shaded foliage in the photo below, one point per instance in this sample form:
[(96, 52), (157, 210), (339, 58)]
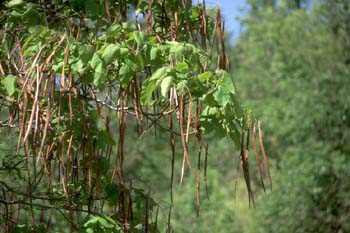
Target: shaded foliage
[(294, 65)]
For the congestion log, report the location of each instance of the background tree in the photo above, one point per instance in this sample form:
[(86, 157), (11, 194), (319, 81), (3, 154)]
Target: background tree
[(292, 62)]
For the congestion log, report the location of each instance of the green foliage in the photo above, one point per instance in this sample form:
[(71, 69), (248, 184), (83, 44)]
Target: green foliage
[(9, 84), (296, 74), (26, 228), (100, 224)]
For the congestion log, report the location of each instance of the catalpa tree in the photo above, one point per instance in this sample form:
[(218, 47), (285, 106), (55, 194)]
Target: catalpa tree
[(75, 74)]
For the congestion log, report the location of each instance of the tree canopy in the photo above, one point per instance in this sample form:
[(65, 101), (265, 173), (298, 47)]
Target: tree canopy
[(292, 64)]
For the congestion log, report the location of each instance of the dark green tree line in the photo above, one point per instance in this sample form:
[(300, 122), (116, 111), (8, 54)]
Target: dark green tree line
[(293, 67)]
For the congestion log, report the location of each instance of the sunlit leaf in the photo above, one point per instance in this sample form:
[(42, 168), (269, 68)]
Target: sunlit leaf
[(181, 67), (126, 73), (139, 37), (165, 85), (150, 84), (154, 53), (99, 75), (9, 82), (110, 53), (13, 3), (205, 76)]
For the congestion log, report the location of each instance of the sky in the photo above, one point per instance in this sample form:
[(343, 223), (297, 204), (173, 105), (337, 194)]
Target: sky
[(231, 9)]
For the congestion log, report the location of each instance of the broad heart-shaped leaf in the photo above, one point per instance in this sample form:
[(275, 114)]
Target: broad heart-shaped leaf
[(139, 37), (95, 60), (10, 84), (176, 48), (159, 74), (126, 73), (207, 119), (123, 52), (113, 30), (154, 53), (180, 87), (99, 75), (213, 119), (222, 95), (182, 67), (85, 53), (227, 81), (225, 90), (150, 84), (165, 85), (205, 76), (77, 66), (148, 87), (110, 53)]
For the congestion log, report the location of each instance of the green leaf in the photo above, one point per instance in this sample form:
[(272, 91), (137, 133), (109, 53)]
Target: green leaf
[(142, 6), (225, 90), (85, 53), (207, 119), (99, 75), (176, 48), (129, 26), (96, 222), (205, 76), (126, 73), (10, 84), (95, 61), (165, 85), (209, 111), (87, 75), (148, 87), (108, 139), (150, 84), (13, 3), (110, 53), (234, 133), (77, 66), (114, 30), (123, 52), (139, 37), (180, 87), (154, 53), (36, 30), (105, 223), (182, 67), (189, 49), (159, 73), (222, 96), (227, 81), (112, 193)]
